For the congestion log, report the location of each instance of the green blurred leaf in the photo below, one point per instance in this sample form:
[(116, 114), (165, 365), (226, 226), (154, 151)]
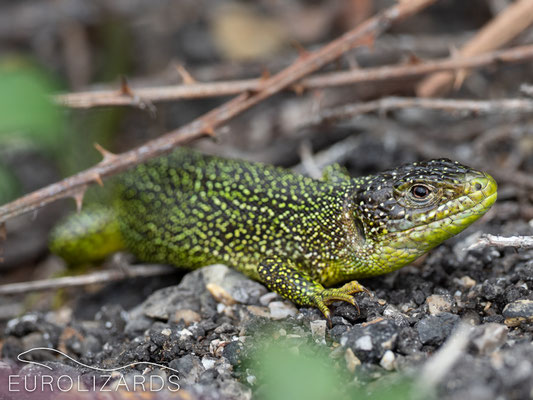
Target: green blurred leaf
[(26, 108), (298, 369), (9, 186)]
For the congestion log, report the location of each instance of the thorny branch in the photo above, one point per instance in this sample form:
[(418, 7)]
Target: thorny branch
[(205, 125), (225, 88)]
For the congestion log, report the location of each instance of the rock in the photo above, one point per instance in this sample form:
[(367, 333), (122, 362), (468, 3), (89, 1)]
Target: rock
[(241, 288), (387, 361), (233, 352), (434, 330), (408, 341), (268, 297), (192, 293), (518, 312), (489, 337), (221, 295), (370, 341), (226, 327), (352, 362), (208, 362), (282, 309), (262, 312), (160, 333), (190, 368), (399, 318), (113, 317), (188, 316), (438, 304), (318, 330), (137, 326), (492, 289), (467, 282), (231, 389)]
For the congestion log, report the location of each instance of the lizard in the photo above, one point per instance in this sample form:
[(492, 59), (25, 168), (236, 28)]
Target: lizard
[(297, 235)]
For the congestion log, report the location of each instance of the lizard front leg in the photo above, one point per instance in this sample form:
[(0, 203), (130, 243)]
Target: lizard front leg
[(282, 277)]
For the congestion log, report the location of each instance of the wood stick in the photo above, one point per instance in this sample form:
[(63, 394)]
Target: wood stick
[(133, 271), (518, 242), (500, 30), (100, 98), (448, 105)]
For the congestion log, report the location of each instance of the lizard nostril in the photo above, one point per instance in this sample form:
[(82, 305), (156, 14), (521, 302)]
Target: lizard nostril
[(478, 186)]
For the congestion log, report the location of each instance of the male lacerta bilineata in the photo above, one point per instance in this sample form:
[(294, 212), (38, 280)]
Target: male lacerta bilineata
[(295, 234)]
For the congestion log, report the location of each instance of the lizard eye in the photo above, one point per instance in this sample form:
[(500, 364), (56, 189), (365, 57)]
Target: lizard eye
[(420, 192)]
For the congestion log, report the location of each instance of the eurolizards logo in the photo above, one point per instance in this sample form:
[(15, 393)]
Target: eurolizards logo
[(103, 380)]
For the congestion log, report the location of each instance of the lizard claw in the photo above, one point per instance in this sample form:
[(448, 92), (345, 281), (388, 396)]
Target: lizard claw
[(344, 293)]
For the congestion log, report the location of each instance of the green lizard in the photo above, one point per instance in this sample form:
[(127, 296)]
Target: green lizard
[(295, 234)]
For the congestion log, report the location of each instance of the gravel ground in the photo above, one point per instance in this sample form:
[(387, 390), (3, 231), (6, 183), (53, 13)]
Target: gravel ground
[(476, 306)]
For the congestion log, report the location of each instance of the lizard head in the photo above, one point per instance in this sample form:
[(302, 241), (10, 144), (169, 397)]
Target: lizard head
[(404, 212)]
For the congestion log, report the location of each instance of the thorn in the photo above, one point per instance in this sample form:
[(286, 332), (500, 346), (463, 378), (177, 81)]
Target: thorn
[(460, 74), (98, 179), (265, 75), (210, 131), (302, 51), (368, 41), (107, 156), (298, 88), (413, 59), (185, 76), (124, 87), (78, 197)]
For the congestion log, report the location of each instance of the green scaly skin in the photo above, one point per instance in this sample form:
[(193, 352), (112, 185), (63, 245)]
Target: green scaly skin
[(295, 234)]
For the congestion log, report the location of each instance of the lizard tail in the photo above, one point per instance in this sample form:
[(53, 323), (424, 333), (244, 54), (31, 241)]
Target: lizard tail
[(87, 236)]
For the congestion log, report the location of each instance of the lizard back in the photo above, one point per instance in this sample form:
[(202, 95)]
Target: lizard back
[(190, 209)]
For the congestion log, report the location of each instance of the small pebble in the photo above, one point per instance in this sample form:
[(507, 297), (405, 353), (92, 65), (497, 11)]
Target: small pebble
[(352, 362), (438, 303), (364, 343), (265, 299), (387, 361), (281, 309), (188, 316), (208, 362), (318, 330), (220, 294), (489, 337), (517, 312)]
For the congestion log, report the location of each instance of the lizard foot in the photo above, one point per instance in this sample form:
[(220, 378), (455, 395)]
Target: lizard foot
[(325, 297)]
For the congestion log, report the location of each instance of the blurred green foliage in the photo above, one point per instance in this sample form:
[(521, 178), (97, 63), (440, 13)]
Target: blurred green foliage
[(9, 185), (288, 368), (26, 108)]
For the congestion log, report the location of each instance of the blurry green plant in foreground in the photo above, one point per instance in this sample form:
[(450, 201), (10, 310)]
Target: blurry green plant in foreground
[(26, 109), (29, 120), (288, 370)]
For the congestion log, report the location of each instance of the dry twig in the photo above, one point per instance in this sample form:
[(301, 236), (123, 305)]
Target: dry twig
[(226, 88), (450, 105), (133, 271), (518, 242), (205, 125)]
